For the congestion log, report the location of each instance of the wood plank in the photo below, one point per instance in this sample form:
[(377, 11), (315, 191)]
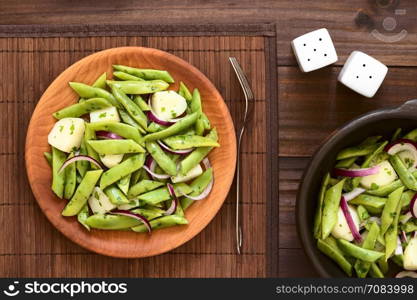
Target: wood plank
[(294, 263), (312, 105), (294, 17)]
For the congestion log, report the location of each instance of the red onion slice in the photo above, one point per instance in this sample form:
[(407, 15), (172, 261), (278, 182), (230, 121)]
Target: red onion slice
[(405, 274), (172, 151), (174, 202), (345, 209), (79, 158), (133, 215), (150, 168), (413, 206), (400, 142), (356, 172), (108, 135), (353, 194), (404, 237)]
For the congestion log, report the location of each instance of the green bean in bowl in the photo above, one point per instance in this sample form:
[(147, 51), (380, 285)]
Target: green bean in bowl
[(366, 217), (131, 154)]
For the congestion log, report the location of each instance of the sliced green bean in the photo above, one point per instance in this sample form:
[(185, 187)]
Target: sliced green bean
[(126, 76), (372, 203), (58, 178), (405, 175), (115, 195), (356, 151), (197, 155), (70, 179), (406, 198), (48, 157), (362, 213), (181, 125), (391, 235), (398, 260), (362, 267), (412, 135), (162, 194), (83, 192), (149, 213), (134, 111), (330, 208), (121, 170), (185, 92), (124, 130), (161, 158), (83, 216), (124, 184), (383, 266), (375, 272), (139, 87), (82, 108), (86, 91), (111, 222), (143, 186), (390, 208), (141, 103), (410, 226), (162, 222), (396, 134), (385, 190), (179, 142), (147, 74), (129, 120), (90, 134), (82, 165), (359, 252), (103, 147), (99, 83), (198, 185), (335, 255), (319, 209), (155, 127)]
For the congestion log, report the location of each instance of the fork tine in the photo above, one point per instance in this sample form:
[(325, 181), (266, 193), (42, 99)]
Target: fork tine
[(242, 78)]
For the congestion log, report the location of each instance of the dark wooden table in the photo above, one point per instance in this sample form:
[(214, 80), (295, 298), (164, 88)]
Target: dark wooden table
[(310, 105)]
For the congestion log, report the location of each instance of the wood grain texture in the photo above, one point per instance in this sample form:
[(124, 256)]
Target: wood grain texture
[(37, 61)]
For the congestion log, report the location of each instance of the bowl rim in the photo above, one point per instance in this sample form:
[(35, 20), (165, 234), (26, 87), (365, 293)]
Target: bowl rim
[(304, 234), (229, 120)]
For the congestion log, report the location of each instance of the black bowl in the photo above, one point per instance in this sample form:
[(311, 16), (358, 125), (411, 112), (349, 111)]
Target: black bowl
[(379, 122)]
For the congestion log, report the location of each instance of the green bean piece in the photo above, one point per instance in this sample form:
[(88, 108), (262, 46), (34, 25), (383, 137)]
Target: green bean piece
[(161, 158), (335, 255), (134, 111), (362, 213), (149, 213), (86, 91), (48, 157), (196, 107), (139, 87), (385, 190), (185, 92), (412, 135), (147, 74), (104, 147), (346, 163), (359, 252), (383, 265), (79, 109), (126, 76), (319, 209), (398, 260), (205, 120), (180, 142), (83, 216), (129, 120), (406, 198), (124, 130), (375, 272), (136, 176), (111, 222), (372, 203), (396, 134), (79, 178), (405, 175), (83, 192), (356, 151), (362, 267), (390, 208), (162, 194), (162, 222), (143, 186), (330, 208), (141, 103), (115, 195), (197, 155), (99, 83), (155, 127), (198, 185), (181, 125), (90, 134), (70, 179), (124, 184), (58, 178), (114, 174), (82, 165), (410, 226), (391, 234)]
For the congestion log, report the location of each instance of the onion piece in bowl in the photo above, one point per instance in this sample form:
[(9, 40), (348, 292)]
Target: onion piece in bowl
[(79, 158), (133, 215), (101, 134), (150, 168), (352, 226), (404, 146)]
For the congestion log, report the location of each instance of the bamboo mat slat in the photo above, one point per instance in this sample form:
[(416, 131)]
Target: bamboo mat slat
[(32, 56)]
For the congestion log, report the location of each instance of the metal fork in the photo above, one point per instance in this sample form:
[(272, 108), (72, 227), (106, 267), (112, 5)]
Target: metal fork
[(249, 99)]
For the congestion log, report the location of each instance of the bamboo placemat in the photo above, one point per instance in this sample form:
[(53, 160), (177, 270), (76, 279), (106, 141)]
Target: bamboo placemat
[(32, 56)]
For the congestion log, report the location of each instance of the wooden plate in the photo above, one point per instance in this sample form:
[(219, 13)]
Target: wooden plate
[(124, 243)]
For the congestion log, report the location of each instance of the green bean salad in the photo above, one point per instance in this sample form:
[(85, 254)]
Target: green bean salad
[(366, 215), (131, 154)]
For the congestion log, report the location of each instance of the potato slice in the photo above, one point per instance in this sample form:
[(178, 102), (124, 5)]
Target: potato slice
[(385, 176), (67, 134), (168, 105), (105, 114), (341, 230)]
